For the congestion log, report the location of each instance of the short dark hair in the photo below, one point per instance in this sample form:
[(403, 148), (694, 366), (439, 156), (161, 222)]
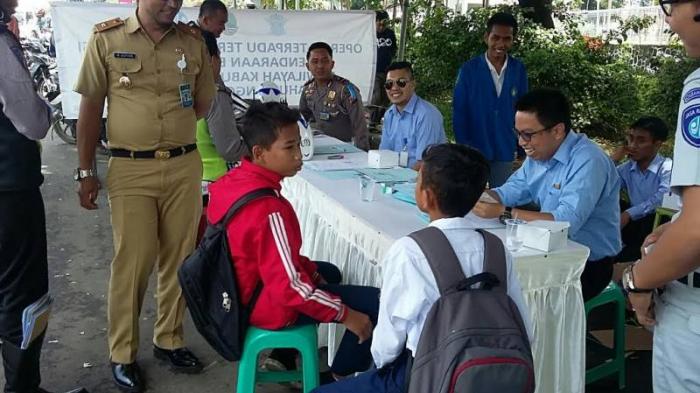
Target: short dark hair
[(502, 19), (319, 45), (211, 7), (549, 105), (262, 123), (381, 15), (457, 176), (653, 125), (211, 44), (401, 65)]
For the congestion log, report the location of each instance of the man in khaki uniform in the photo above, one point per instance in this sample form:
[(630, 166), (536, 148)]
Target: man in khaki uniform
[(158, 82), (333, 103)]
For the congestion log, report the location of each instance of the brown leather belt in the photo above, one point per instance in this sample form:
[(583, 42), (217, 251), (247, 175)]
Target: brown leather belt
[(156, 154)]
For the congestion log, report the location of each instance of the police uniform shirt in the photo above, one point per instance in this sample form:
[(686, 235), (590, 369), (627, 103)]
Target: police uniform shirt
[(686, 152), (337, 110), (143, 83)]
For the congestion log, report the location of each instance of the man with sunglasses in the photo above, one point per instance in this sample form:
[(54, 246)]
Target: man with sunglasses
[(674, 261), (487, 88), (569, 177), (410, 123)]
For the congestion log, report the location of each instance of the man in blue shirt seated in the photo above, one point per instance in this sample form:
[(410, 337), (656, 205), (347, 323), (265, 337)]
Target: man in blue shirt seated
[(410, 122), (646, 177), (569, 177), (487, 88)]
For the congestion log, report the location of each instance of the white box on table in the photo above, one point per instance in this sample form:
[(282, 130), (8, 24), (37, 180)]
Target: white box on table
[(544, 235), (382, 159), (671, 201)]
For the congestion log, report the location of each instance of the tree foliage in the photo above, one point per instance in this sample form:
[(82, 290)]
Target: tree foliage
[(608, 89)]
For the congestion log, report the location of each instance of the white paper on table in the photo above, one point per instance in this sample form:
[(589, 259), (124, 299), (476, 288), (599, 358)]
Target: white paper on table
[(483, 223), (486, 198), (333, 165)]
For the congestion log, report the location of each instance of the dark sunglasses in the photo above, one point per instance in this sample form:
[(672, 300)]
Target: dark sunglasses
[(667, 5), (401, 83)]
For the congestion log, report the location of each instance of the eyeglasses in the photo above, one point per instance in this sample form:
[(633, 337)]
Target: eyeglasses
[(667, 5), (401, 83), (527, 136)]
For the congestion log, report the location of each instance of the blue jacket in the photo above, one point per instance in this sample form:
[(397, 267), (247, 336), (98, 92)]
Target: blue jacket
[(480, 118)]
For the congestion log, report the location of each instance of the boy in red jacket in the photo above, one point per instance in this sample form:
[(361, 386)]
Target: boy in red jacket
[(265, 239)]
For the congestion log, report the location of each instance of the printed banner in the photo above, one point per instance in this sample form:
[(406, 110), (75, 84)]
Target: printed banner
[(257, 46)]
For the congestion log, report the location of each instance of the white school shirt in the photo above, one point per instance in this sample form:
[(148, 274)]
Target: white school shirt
[(409, 288), (497, 78)]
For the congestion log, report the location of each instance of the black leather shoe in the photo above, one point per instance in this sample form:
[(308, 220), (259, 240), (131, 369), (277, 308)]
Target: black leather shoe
[(181, 359), (128, 377)]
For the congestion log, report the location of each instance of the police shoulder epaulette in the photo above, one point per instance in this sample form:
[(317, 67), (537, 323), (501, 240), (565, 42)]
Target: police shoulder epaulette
[(191, 30), (108, 24), (341, 80)]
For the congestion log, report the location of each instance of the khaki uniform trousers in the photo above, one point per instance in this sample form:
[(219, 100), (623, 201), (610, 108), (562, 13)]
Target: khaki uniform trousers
[(155, 208)]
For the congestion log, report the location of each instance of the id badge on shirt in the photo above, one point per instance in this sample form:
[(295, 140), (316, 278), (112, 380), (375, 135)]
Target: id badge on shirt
[(324, 116), (186, 95)]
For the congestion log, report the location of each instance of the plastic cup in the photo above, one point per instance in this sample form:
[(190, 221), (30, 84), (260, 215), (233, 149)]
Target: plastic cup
[(368, 189), (514, 239)]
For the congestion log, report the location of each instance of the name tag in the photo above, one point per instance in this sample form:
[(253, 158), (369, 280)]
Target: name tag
[(324, 116), (124, 55), (186, 95)]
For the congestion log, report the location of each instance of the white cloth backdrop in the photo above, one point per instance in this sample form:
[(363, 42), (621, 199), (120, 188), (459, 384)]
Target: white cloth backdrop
[(257, 46), (337, 226)]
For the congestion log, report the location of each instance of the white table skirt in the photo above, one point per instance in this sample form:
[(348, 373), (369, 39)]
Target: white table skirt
[(340, 228)]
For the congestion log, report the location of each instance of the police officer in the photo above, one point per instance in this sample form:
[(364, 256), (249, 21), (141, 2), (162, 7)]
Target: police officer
[(158, 82), (332, 102), (674, 261), (24, 119)]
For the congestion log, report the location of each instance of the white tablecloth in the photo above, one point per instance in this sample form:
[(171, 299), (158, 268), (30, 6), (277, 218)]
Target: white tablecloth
[(337, 226)]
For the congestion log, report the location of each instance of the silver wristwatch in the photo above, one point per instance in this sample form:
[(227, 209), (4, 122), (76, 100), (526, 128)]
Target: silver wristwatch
[(628, 282), (81, 174)]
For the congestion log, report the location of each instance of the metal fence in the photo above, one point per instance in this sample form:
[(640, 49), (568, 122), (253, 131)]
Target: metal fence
[(599, 23)]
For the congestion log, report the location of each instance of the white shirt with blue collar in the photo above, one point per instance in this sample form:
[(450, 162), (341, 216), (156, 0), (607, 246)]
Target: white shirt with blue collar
[(409, 288), (417, 126), (580, 185), (646, 189)]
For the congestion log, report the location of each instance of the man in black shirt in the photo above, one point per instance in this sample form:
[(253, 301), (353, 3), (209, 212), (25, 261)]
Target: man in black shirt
[(386, 49)]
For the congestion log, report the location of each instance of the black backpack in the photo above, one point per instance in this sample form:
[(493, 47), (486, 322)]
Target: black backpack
[(209, 286), (474, 339)]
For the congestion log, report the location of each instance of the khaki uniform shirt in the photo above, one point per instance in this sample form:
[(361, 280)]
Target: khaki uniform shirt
[(336, 109), (141, 81)]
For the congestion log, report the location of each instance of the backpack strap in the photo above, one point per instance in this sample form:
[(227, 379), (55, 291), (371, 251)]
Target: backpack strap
[(255, 194), (495, 258), (242, 201), (441, 257)]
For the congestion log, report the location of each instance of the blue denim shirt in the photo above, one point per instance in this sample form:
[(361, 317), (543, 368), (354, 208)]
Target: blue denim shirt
[(419, 124), (646, 189), (579, 184)]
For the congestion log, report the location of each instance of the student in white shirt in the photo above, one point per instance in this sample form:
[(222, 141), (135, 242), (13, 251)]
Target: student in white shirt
[(449, 183)]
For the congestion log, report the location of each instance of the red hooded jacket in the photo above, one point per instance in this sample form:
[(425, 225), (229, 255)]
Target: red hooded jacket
[(265, 238)]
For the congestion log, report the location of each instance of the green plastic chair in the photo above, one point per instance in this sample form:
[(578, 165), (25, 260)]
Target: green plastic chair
[(663, 213), (302, 338), (611, 294)]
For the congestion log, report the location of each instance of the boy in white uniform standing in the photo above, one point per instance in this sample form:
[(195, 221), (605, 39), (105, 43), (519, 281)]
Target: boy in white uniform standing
[(674, 262)]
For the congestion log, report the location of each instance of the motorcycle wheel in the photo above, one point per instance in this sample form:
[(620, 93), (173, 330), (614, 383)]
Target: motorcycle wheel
[(64, 131)]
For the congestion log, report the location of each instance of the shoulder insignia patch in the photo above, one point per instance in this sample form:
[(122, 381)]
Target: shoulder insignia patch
[(108, 24), (352, 93), (691, 95), (191, 30), (690, 125)]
